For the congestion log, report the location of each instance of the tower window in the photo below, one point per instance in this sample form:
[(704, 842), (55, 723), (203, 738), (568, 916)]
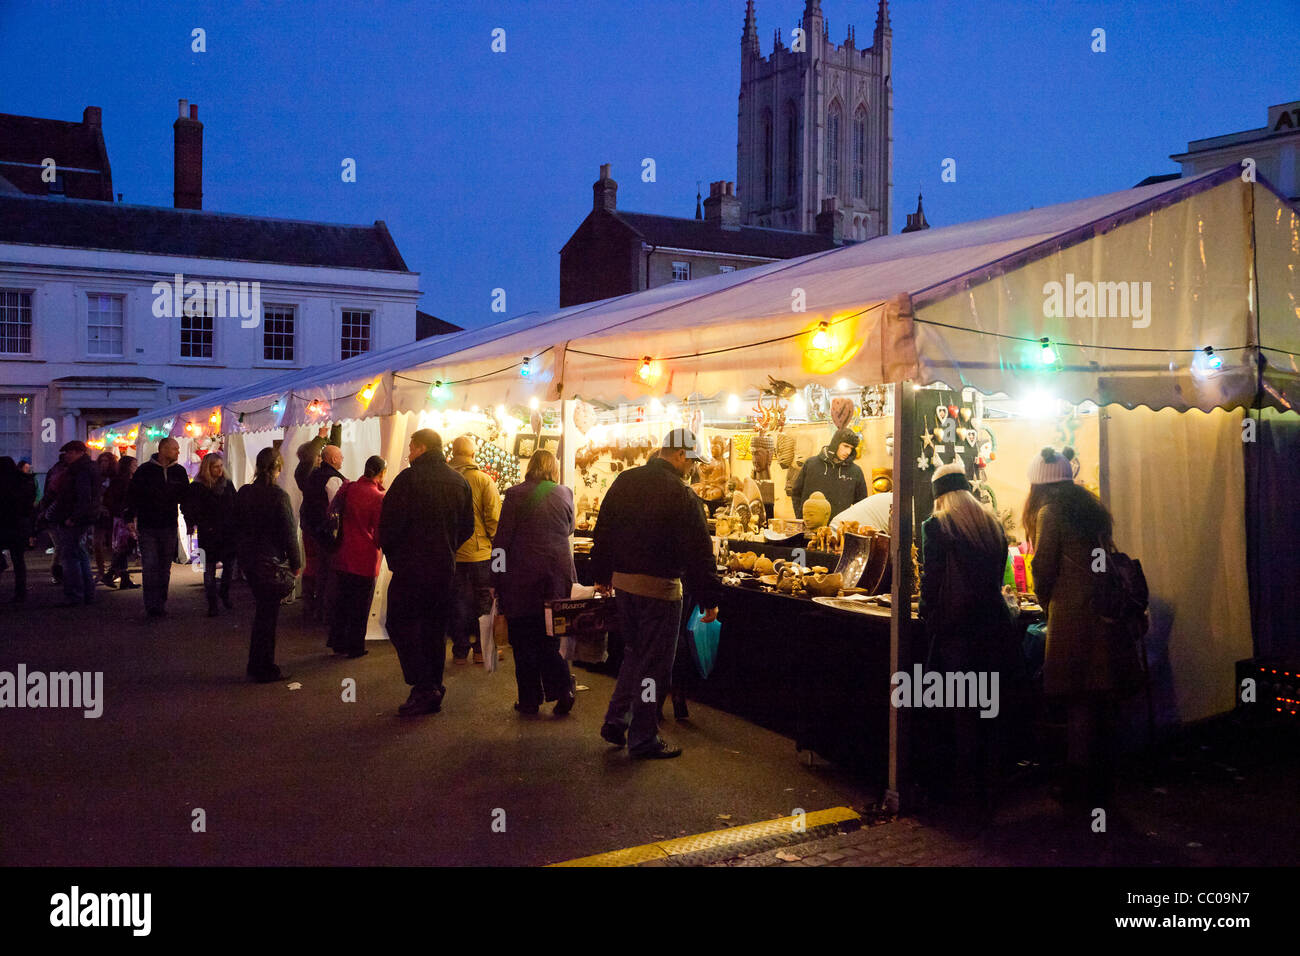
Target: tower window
[(859, 154), (833, 152), (791, 151), (767, 158)]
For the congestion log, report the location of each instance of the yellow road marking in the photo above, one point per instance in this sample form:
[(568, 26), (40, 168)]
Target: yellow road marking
[(714, 839)]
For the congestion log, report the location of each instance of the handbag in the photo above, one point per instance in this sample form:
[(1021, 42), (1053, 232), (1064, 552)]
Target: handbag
[(273, 575)]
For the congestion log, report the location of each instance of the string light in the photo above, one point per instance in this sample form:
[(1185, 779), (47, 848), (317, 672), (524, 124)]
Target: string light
[(193, 428), (534, 404), (822, 337), (1046, 354), (277, 408), (525, 368), (1211, 360), (214, 419), (645, 370), (733, 404), (315, 407), (844, 385), (438, 391), (367, 393)]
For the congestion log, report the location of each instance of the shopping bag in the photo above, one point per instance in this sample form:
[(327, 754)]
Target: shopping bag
[(704, 640), (487, 638)]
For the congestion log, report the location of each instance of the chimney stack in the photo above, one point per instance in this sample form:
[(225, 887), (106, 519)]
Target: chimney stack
[(722, 208), (93, 117), (188, 169), (829, 223), (605, 191)]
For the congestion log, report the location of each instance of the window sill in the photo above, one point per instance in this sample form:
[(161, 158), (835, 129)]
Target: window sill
[(20, 357)]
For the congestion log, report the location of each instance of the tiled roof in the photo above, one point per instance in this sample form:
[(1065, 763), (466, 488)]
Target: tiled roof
[(427, 325), (160, 230), (707, 236), (76, 148)]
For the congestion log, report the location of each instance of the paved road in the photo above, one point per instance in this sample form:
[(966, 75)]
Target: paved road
[(300, 777)]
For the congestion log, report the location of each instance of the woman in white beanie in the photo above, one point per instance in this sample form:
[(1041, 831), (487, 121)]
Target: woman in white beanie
[(964, 557), (1064, 522)]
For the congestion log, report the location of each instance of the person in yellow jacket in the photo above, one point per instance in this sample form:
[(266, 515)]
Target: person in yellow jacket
[(472, 599)]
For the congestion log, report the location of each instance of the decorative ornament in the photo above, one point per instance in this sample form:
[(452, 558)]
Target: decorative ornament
[(818, 400), (842, 411), (584, 416)]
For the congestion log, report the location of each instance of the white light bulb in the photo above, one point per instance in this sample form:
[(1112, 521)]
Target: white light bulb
[(534, 404), (733, 404), (501, 413), (656, 407), (844, 385)]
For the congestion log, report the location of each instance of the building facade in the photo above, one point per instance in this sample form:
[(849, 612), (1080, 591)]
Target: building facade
[(614, 252), (108, 309), (1275, 148), (815, 123)]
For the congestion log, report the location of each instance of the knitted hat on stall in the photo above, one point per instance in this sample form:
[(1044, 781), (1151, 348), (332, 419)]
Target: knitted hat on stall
[(950, 477), (1050, 466)]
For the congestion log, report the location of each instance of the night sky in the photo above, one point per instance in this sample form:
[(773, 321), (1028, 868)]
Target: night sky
[(482, 163)]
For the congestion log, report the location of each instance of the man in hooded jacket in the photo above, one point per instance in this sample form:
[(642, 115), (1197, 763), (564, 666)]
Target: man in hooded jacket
[(834, 473)]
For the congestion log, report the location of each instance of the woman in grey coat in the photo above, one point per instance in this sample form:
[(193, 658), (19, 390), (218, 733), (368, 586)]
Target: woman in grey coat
[(533, 532)]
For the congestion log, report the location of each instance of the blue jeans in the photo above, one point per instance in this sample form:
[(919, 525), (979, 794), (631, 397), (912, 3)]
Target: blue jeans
[(74, 557), (158, 548), (649, 646)]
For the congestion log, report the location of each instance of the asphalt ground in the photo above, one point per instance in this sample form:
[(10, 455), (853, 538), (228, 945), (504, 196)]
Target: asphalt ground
[(301, 777)]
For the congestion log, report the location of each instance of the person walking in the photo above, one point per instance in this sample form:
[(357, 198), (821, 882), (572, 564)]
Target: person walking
[(651, 534), (76, 506), (834, 473), (1064, 522), (309, 456), (123, 538), (107, 466), (153, 501), (969, 628), (321, 487), (535, 560), (357, 560), (17, 520), (427, 515), (211, 508), (473, 584), (266, 541), (54, 480)]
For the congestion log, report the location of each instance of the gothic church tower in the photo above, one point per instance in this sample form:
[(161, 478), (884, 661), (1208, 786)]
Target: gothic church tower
[(815, 130)]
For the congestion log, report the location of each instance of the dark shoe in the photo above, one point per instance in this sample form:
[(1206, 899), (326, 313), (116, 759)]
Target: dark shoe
[(127, 584), (525, 709), (659, 750), (355, 654), (420, 703), (614, 734), (157, 612), (267, 677), (679, 710), (565, 703), (108, 580)]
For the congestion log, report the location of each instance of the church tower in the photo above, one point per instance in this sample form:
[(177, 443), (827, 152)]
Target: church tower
[(815, 129)]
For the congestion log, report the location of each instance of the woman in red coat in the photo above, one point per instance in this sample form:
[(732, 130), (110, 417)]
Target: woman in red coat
[(357, 560)]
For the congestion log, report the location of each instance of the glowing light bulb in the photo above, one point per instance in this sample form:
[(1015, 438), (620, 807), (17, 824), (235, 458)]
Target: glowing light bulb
[(525, 368), (534, 404), (798, 406), (367, 393), (473, 409), (501, 414), (733, 404), (656, 407), (645, 370), (822, 337), (844, 385), (1212, 361), (1046, 354)]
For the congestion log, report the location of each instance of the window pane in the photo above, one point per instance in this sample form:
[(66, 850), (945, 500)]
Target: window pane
[(356, 333), (15, 322), (16, 426), (278, 333), (196, 336), (103, 324)]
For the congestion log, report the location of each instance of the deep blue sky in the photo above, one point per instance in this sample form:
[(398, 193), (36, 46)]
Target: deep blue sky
[(482, 163)]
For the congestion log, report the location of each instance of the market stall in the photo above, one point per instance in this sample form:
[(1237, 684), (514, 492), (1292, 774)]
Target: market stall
[(1060, 321)]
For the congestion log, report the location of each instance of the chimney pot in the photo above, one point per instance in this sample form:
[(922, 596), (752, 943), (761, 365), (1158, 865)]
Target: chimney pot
[(604, 191), (722, 207), (194, 111), (181, 108), (604, 170)]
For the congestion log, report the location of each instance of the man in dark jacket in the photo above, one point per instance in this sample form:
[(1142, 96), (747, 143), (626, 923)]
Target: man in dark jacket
[(153, 506), (17, 513), (427, 515), (309, 457), (650, 535), (76, 505), (834, 473)]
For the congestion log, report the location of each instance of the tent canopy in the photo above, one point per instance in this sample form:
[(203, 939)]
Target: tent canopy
[(1127, 288)]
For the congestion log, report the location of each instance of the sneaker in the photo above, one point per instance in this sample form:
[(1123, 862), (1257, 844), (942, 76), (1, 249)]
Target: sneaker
[(614, 734), (659, 750)]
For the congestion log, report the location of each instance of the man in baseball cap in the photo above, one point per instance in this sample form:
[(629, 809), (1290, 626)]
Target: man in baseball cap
[(684, 440)]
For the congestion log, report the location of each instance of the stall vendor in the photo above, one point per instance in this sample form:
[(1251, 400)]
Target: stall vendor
[(834, 473), (872, 512)]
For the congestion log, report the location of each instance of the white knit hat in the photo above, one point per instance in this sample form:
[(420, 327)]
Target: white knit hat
[(1050, 466), (954, 467)]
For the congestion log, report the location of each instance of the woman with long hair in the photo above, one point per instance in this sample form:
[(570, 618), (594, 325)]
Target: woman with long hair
[(969, 627), (103, 534), (537, 519), (124, 539), (268, 552), (1065, 523), (211, 508)]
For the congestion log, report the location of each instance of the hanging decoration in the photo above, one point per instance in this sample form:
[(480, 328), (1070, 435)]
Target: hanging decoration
[(500, 465), (842, 412), (818, 400), (584, 416)]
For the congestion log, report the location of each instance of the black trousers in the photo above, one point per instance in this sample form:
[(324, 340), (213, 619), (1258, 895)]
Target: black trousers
[(352, 597), (16, 547), (421, 645), (540, 672), (261, 650), (210, 585)]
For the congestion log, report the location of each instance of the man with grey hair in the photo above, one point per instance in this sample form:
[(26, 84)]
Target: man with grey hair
[(321, 487), (652, 534), (153, 508)]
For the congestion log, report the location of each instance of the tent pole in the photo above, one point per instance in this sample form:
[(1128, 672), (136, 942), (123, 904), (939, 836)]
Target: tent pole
[(901, 626)]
